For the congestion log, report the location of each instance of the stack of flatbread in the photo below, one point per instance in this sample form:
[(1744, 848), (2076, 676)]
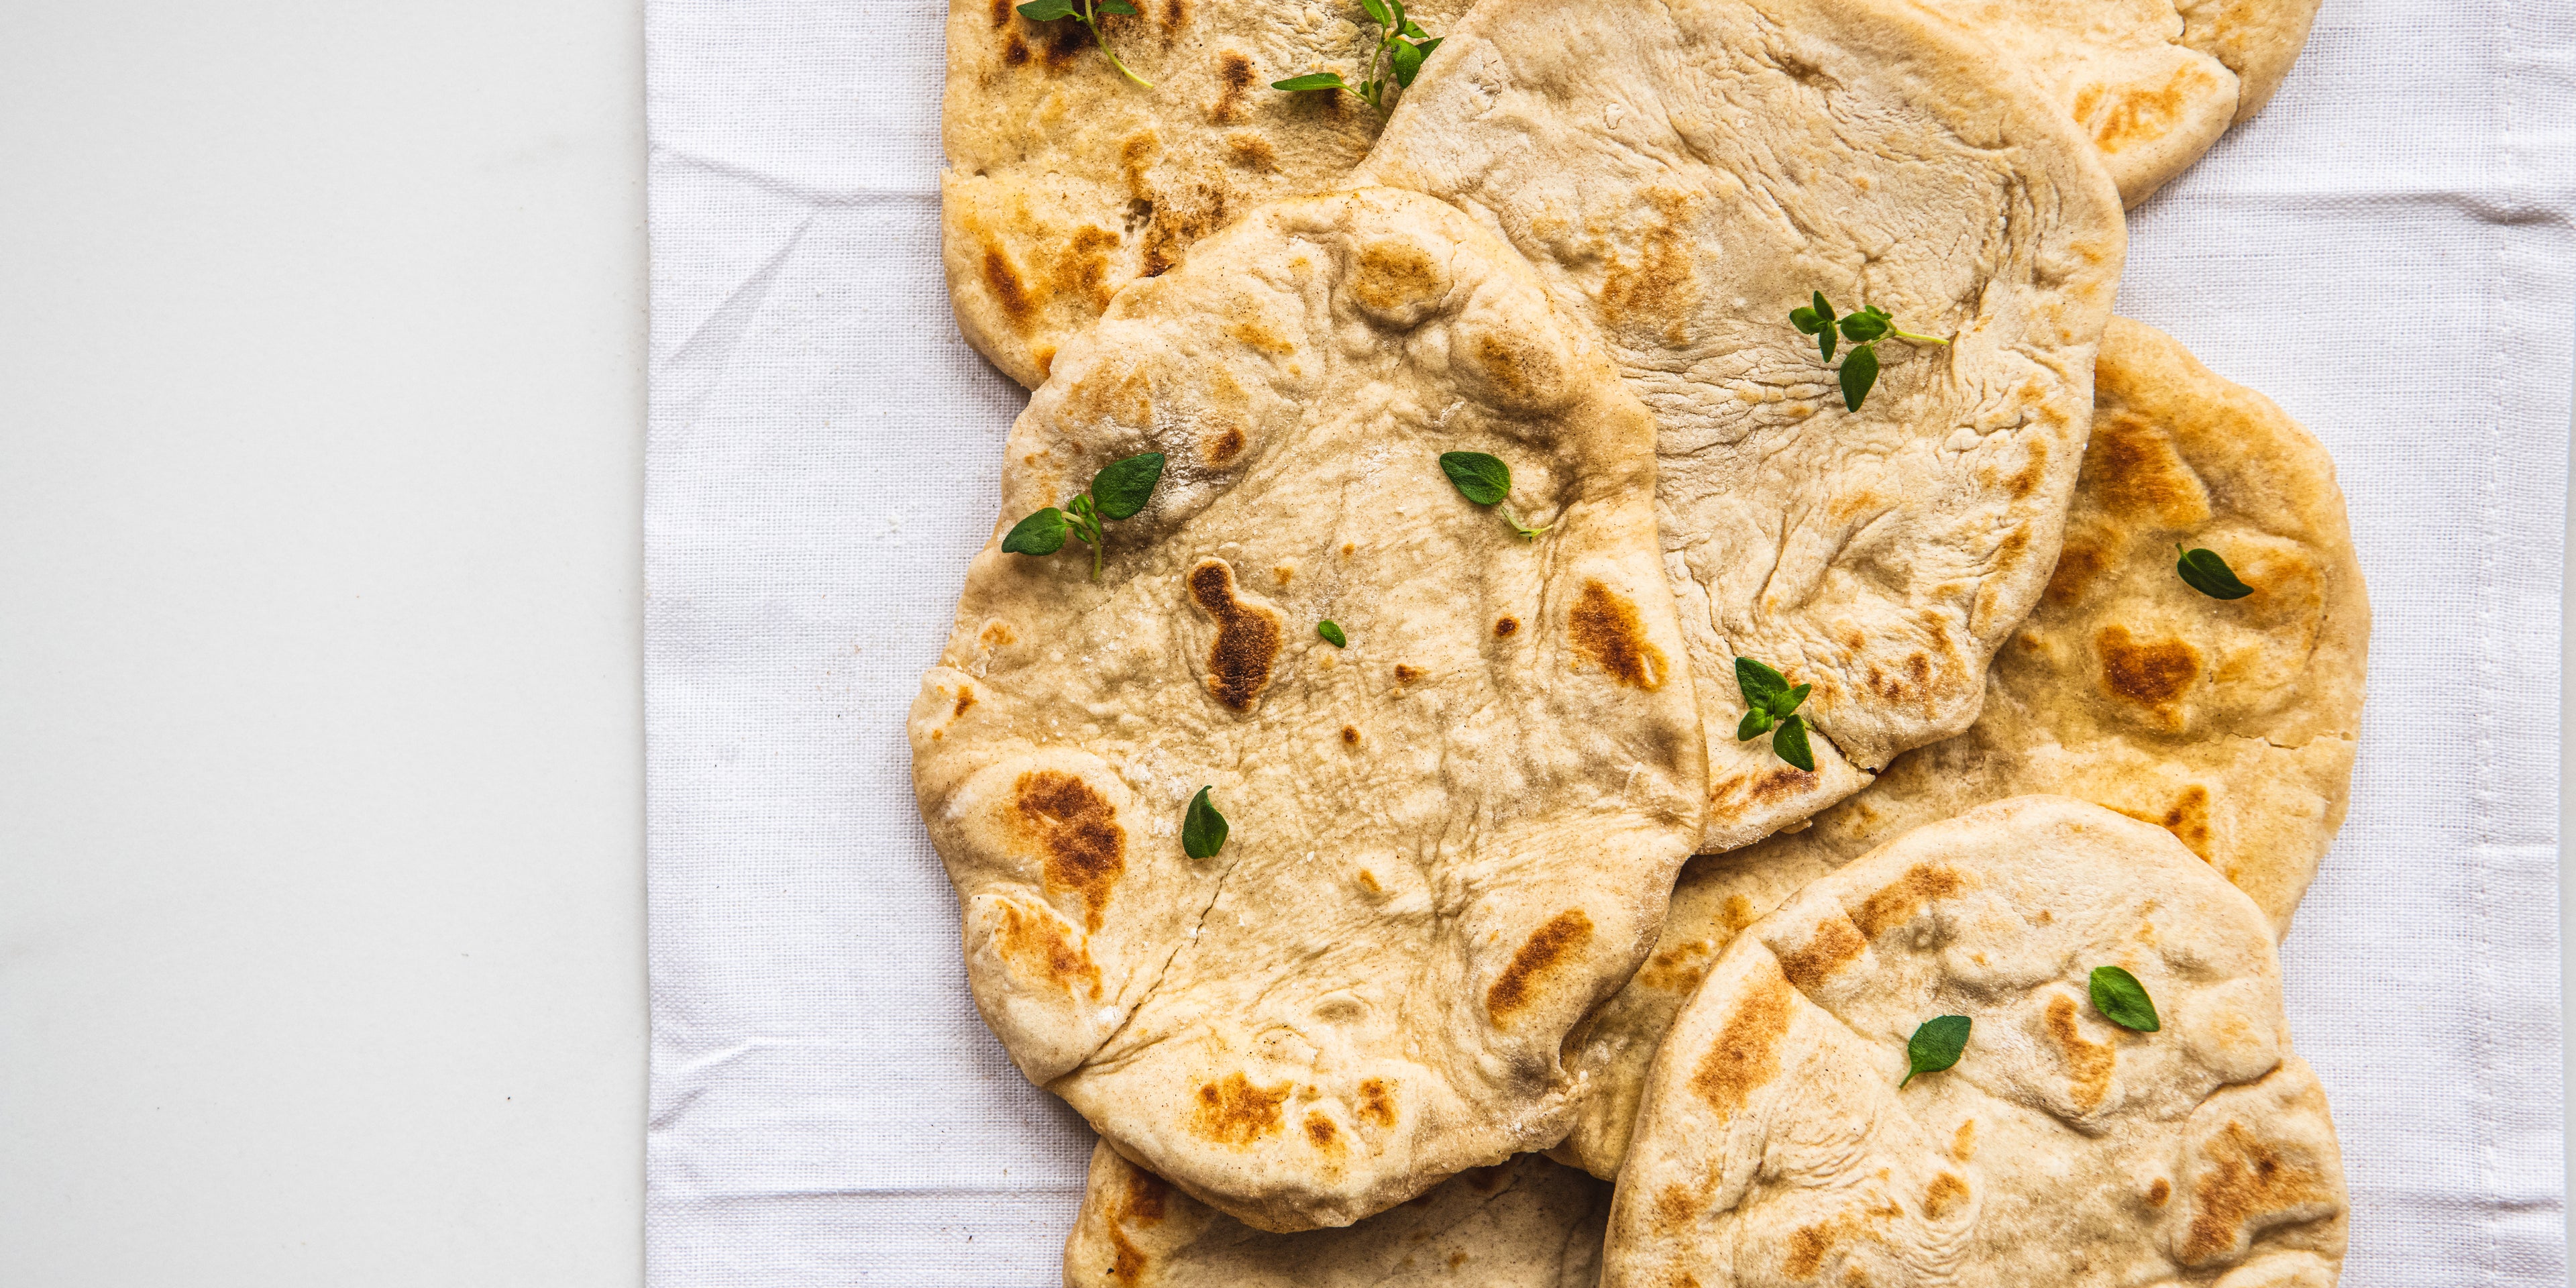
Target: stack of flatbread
[(1484, 749)]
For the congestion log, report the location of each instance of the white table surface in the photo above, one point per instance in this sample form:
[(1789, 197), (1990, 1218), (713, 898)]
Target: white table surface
[(320, 731), (321, 403)]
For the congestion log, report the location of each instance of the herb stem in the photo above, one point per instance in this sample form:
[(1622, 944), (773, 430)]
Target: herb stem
[(1912, 338), (1103, 42)]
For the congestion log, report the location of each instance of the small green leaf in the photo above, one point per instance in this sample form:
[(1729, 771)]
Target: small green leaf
[(1122, 487), (2205, 572), (1104, 8), (1047, 10), (1406, 60), (1824, 311), (1755, 723), (1311, 80), (1805, 320), (1202, 829), (1426, 46), (1825, 337), (1041, 533), (1935, 1046), (1332, 633), (1862, 327), (1789, 701), (1789, 743), (1860, 371), (1414, 29), (2122, 1000), (1760, 685), (1377, 12), (1481, 478)]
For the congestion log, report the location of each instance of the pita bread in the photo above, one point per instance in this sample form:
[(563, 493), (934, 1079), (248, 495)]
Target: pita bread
[(2152, 82), (1449, 841), (1687, 173), (1776, 1145), (1066, 180), (1523, 1223), (2248, 760)]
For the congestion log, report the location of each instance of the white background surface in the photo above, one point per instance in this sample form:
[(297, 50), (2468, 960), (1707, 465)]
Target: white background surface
[(320, 405), (321, 400)]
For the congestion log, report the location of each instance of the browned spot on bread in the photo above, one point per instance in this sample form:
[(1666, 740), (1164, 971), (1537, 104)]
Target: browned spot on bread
[(2248, 1184), (1963, 1144), (1833, 945), (2079, 564), (1392, 275), (2159, 1192), (1008, 290), (1002, 13), (1321, 1131), (1045, 356), (2188, 819), (1247, 638), (2034, 467), (2088, 1063), (1678, 969), (1065, 41), (1127, 1261), (1174, 14), (1180, 219), (1606, 629), (1896, 903), (1457, 1259), (1284, 573), (1036, 940), (1675, 1205), (1350, 735), (965, 700), (2131, 471), (1076, 830), (1368, 882), (1015, 51), (1135, 152), (1747, 1051), (1232, 1111), (1143, 1204), (1234, 78), (1226, 445), (998, 634), (1654, 293), (1251, 151), (1513, 363), (1738, 913), (2151, 673), (2134, 116), (1377, 1102), (1258, 336), (1780, 783), (1564, 935), (1946, 1194), (1406, 674), (1504, 626)]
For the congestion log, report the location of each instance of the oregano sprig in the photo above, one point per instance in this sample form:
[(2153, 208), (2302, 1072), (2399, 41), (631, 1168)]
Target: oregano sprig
[(1936, 1046), (1089, 12), (1203, 829), (2122, 1000), (1770, 702), (1483, 478), (1402, 44), (1864, 329), (1118, 491), (2204, 571)]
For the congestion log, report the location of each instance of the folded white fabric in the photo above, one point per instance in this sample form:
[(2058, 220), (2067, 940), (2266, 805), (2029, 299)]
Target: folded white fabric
[(2389, 251)]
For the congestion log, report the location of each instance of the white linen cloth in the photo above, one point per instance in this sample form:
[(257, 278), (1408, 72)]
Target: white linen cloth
[(2389, 250)]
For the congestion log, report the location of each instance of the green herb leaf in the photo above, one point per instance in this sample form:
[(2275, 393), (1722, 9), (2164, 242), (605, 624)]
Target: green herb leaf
[(1047, 10), (1377, 12), (1332, 633), (1481, 478), (1806, 320), (1414, 29), (1123, 487), (1860, 371), (1311, 80), (1824, 311), (1867, 325), (1426, 46), (1935, 1046), (1041, 533), (1406, 60), (1760, 685), (1790, 744), (1105, 8), (1202, 829), (2205, 572), (1755, 723), (2122, 1000)]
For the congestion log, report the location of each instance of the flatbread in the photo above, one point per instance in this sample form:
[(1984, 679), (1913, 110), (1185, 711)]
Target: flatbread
[(2236, 735), (2152, 82), (1523, 1223), (1066, 180), (1450, 840), (1776, 1145), (1686, 174)]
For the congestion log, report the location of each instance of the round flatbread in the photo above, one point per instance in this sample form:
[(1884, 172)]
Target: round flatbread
[(1687, 174), (1449, 840), (1777, 1146), (2230, 723), (2152, 82), (1066, 180), (1522, 1223)]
